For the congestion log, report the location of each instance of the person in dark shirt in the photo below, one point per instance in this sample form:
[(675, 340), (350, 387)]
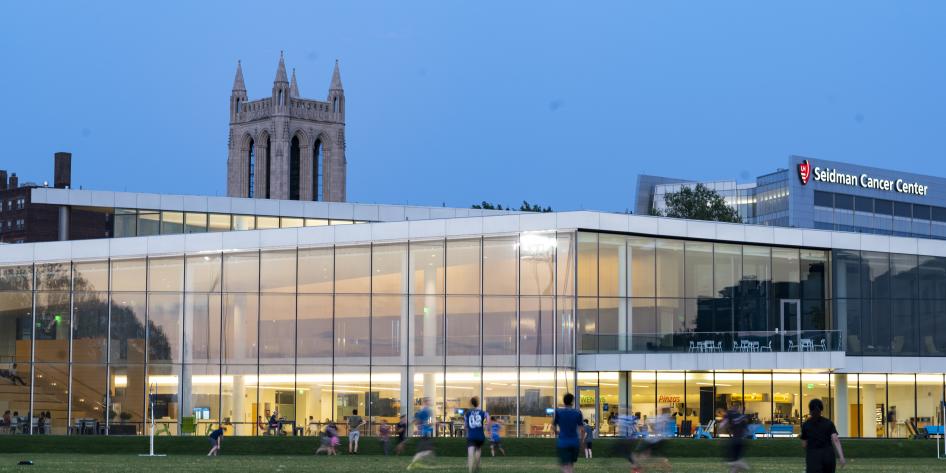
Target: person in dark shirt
[(401, 430), (568, 427), (215, 438), (475, 421), (737, 423), (818, 436)]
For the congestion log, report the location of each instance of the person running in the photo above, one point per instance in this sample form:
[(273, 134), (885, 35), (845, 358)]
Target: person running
[(818, 436), (567, 422), (649, 449), (474, 419), (495, 441), (325, 444), (737, 423), (215, 438), (401, 430), (354, 423), (589, 436), (423, 420)]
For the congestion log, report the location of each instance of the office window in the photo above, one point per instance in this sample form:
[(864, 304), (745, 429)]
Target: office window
[(824, 199), (884, 207), (172, 223), (843, 201), (218, 223), (902, 209), (863, 204), (195, 222)]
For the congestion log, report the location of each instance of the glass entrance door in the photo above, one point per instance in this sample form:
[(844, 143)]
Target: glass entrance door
[(789, 324), (588, 400)]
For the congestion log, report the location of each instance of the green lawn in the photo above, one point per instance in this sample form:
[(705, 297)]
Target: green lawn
[(61, 463)]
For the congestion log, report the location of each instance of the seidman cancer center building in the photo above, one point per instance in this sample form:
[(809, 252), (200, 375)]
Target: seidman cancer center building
[(233, 309)]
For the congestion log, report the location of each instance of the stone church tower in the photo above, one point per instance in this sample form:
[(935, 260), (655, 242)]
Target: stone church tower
[(285, 146)]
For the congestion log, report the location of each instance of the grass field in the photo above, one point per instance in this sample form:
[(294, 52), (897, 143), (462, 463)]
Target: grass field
[(62, 463)]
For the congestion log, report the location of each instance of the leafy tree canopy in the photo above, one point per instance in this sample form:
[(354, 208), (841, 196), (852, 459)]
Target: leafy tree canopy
[(698, 203), (525, 207)]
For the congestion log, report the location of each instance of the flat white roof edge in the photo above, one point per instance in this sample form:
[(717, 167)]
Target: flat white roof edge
[(458, 228), (246, 206)]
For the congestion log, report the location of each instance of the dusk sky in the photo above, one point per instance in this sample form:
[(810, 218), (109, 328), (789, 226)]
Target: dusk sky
[(457, 102)]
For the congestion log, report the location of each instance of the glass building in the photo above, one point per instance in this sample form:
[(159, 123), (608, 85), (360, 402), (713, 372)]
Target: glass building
[(834, 196), (630, 313)]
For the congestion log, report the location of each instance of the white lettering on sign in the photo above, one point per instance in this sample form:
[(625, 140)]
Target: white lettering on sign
[(833, 176)]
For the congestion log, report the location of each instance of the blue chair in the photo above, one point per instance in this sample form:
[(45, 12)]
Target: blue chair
[(757, 430), (704, 432)]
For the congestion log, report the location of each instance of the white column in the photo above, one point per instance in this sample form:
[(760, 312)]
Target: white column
[(624, 392), (868, 400), (432, 331), (840, 405), (623, 324), (237, 405)]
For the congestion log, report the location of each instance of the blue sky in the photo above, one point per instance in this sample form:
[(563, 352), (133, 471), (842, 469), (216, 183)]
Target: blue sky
[(561, 103)]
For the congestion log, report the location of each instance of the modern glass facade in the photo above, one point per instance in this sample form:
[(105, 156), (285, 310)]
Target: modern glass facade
[(312, 333), (874, 404), (852, 213), (646, 294)]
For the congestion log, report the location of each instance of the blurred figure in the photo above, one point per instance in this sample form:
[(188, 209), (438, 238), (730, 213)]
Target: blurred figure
[(495, 441), (650, 448), (401, 430), (423, 420), (385, 432), (736, 422)]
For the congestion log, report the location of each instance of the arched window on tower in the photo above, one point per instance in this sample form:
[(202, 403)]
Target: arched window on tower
[(251, 169), (294, 183), (280, 98), (269, 165), (317, 170), (335, 104)]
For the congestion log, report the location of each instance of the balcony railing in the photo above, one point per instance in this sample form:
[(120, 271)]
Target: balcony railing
[(714, 342)]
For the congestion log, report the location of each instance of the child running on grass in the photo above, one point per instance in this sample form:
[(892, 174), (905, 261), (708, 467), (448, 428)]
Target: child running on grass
[(589, 435), (495, 441)]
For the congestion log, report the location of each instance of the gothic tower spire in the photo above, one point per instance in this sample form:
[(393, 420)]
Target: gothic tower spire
[(294, 87), (336, 78), (238, 80), (281, 70)]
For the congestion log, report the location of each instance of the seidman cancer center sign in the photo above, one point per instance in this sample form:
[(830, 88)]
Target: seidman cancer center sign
[(833, 176)]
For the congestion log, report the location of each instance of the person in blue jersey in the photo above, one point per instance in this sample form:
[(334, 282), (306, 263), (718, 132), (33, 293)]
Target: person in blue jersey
[(475, 421), (495, 440), (569, 431), (423, 419)]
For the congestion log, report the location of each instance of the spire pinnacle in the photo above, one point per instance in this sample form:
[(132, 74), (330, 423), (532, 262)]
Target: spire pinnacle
[(281, 70), (238, 80), (336, 78), (294, 87)]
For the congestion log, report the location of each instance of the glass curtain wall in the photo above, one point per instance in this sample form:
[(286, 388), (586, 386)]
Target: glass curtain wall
[(892, 304), (277, 342), (640, 294), (872, 405)]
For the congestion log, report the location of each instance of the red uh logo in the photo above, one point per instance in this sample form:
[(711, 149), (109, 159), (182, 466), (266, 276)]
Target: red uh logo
[(804, 171)]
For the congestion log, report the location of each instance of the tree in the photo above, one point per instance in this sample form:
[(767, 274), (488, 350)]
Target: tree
[(698, 203), (525, 207)]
